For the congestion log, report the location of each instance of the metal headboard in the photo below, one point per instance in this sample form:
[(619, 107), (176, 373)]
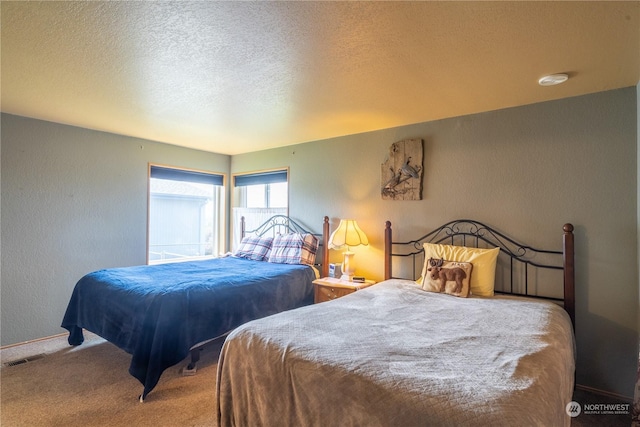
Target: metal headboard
[(282, 224), (522, 261)]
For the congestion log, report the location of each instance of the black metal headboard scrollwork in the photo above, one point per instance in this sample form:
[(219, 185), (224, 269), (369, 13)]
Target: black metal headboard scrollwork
[(520, 265), (282, 224)]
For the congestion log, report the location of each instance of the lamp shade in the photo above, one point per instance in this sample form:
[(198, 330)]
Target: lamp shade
[(347, 234)]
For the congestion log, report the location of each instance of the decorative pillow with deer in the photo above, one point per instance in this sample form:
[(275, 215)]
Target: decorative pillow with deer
[(450, 277), (484, 264)]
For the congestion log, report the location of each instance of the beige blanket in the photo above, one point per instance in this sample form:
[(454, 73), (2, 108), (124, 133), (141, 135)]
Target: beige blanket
[(395, 355)]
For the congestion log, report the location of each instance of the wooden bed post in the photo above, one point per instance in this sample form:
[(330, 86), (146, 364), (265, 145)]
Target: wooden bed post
[(325, 248), (569, 273), (387, 250)]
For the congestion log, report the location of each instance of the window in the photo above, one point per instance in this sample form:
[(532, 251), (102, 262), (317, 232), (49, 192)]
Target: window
[(257, 197), (185, 217), (266, 195)]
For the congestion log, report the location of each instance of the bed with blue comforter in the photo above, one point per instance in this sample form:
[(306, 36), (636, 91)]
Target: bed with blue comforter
[(157, 313)]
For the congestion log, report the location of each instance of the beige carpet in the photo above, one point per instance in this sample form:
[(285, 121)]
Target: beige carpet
[(90, 385)]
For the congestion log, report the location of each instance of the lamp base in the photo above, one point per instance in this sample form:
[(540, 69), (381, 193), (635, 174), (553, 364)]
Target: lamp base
[(348, 266)]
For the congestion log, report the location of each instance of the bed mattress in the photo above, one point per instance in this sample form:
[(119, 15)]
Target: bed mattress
[(395, 355), (157, 313)]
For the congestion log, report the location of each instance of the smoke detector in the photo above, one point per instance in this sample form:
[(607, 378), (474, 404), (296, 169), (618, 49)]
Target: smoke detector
[(553, 79)]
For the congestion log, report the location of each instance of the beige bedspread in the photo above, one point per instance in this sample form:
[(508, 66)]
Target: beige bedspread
[(394, 355)]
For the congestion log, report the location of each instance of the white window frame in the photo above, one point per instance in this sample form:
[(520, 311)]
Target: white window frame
[(260, 214), (219, 210)]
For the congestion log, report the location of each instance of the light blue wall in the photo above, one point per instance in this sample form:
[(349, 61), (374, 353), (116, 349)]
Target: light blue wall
[(75, 200), (526, 171)]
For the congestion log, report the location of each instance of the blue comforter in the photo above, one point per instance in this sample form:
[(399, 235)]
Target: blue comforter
[(157, 313)]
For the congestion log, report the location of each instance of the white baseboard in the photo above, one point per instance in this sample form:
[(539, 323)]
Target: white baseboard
[(35, 340), (626, 399)]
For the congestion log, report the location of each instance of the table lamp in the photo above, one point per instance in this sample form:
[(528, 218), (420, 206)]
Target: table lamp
[(347, 234)]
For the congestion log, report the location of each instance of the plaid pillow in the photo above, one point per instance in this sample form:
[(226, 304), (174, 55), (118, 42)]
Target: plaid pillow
[(294, 248), (255, 247)]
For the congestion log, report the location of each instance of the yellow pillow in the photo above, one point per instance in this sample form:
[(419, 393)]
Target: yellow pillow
[(483, 260)]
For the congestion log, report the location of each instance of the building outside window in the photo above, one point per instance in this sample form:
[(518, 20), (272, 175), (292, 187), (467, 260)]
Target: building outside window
[(185, 214)]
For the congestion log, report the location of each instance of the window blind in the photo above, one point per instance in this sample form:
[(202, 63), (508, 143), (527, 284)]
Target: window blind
[(270, 177), (185, 175)]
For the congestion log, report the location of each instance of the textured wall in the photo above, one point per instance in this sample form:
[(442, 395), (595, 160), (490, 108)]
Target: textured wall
[(74, 201), (526, 171)]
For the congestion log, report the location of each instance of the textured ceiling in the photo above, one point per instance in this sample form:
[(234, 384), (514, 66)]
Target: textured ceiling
[(234, 77)]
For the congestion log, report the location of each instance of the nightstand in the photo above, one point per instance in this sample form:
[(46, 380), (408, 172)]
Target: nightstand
[(329, 288)]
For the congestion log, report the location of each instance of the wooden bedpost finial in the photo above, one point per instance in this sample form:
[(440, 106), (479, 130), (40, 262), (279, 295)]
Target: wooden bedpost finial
[(568, 228)]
